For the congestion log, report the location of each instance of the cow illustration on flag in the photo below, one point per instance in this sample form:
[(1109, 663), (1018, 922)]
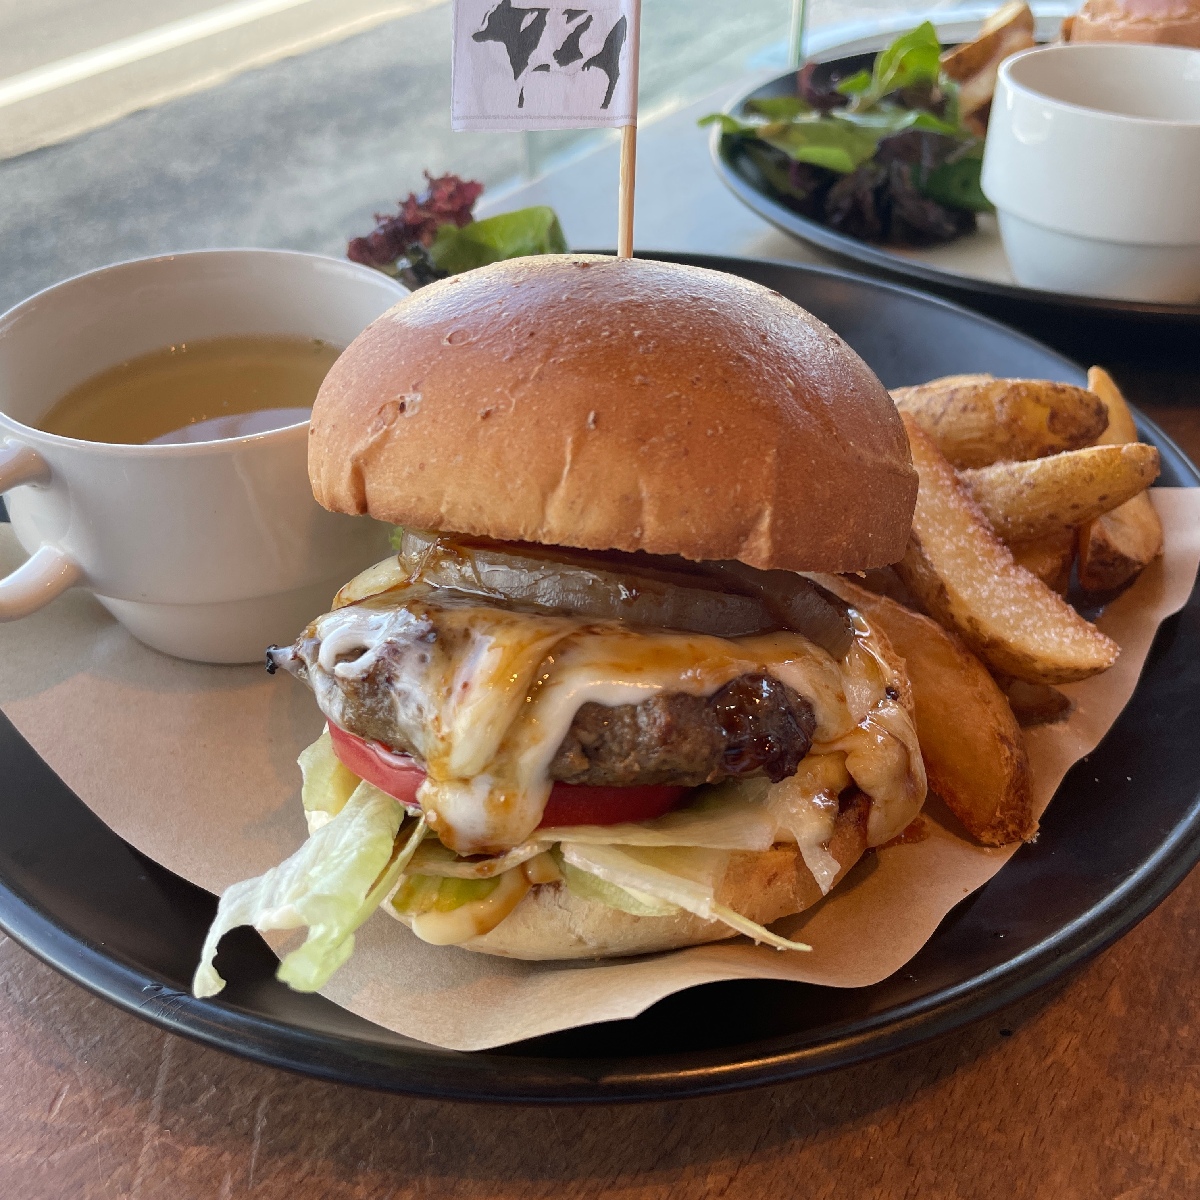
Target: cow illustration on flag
[(545, 66)]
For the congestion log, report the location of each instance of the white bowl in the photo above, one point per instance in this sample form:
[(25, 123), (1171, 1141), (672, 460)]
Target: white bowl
[(1093, 163)]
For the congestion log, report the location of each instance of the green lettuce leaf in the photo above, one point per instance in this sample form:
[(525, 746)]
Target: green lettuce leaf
[(824, 141), (779, 108), (830, 142), (328, 782), (729, 124), (856, 84), (331, 885), (956, 183), (914, 57), (840, 141), (507, 235)]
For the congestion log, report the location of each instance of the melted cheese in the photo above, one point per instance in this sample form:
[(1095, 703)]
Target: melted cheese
[(493, 692), (805, 809)]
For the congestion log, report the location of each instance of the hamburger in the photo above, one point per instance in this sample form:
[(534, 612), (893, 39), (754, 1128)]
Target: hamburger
[(1168, 22), (595, 705)]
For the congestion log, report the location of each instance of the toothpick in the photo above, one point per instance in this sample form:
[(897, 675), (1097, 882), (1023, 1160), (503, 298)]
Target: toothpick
[(625, 199), (796, 35)]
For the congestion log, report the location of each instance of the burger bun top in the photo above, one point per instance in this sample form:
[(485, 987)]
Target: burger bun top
[(623, 404), (1168, 22)]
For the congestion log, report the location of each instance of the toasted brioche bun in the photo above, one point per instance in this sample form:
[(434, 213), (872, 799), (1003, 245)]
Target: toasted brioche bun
[(1167, 22), (551, 922), (587, 401)]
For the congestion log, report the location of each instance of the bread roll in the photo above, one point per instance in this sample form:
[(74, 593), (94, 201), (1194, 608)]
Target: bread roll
[(617, 404)]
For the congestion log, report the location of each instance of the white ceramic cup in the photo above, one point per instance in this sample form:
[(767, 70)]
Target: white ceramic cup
[(1093, 163), (211, 550)]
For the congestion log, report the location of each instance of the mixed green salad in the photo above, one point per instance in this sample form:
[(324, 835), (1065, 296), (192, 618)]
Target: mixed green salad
[(436, 234), (881, 155)]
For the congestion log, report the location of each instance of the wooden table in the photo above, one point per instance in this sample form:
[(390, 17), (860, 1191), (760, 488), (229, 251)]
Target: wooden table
[(1088, 1091)]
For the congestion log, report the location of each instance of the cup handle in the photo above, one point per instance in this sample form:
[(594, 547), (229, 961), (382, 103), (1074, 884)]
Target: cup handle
[(50, 571)]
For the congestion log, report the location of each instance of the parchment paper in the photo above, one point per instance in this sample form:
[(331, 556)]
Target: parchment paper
[(195, 766)]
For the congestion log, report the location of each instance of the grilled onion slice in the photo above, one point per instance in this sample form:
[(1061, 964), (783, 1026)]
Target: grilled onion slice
[(724, 600)]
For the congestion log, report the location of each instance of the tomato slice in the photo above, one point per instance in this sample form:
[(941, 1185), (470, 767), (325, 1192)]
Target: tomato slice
[(396, 774), (578, 804), (569, 804)]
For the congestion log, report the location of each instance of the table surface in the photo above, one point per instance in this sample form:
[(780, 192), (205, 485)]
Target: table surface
[(1089, 1090)]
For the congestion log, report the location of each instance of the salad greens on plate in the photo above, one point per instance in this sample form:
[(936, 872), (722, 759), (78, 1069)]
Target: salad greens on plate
[(882, 155), (436, 234)]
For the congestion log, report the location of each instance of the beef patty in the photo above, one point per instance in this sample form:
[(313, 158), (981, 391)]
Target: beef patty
[(755, 725)]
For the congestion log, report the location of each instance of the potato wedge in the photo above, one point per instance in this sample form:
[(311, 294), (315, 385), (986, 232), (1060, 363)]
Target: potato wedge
[(1025, 501), (1116, 546), (1050, 559), (976, 419), (1121, 426), (971, 57), (970, 740), (975, 64), (966, 577), (1036, 703)]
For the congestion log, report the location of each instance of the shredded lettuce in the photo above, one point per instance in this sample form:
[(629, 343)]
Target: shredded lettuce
[(599, 891), (432, 858), (328, 783), (331, 884), (687, 878), (727, 816)]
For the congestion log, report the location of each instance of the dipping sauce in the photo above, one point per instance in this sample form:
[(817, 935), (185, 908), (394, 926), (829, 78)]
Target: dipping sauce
[(202, 391)]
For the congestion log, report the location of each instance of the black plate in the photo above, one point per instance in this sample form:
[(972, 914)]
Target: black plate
[(1077, 323), (85, 902)]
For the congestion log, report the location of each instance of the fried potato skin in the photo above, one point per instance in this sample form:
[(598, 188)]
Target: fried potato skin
[(1116, 546), (963, 575), (1026, 501), (976, 420), (974, 754)]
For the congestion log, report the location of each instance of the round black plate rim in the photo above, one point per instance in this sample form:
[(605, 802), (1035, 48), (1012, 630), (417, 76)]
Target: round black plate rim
[(842, 244), (543, 1081), (493, 1077)]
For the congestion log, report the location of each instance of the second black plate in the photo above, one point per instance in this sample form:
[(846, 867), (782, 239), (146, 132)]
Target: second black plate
[(1078, 323), (91, 906)]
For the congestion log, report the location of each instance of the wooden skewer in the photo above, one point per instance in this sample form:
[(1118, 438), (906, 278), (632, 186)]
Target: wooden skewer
[(625, 199)]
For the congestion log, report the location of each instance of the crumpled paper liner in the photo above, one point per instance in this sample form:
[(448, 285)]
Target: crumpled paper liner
[(195, 766)]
